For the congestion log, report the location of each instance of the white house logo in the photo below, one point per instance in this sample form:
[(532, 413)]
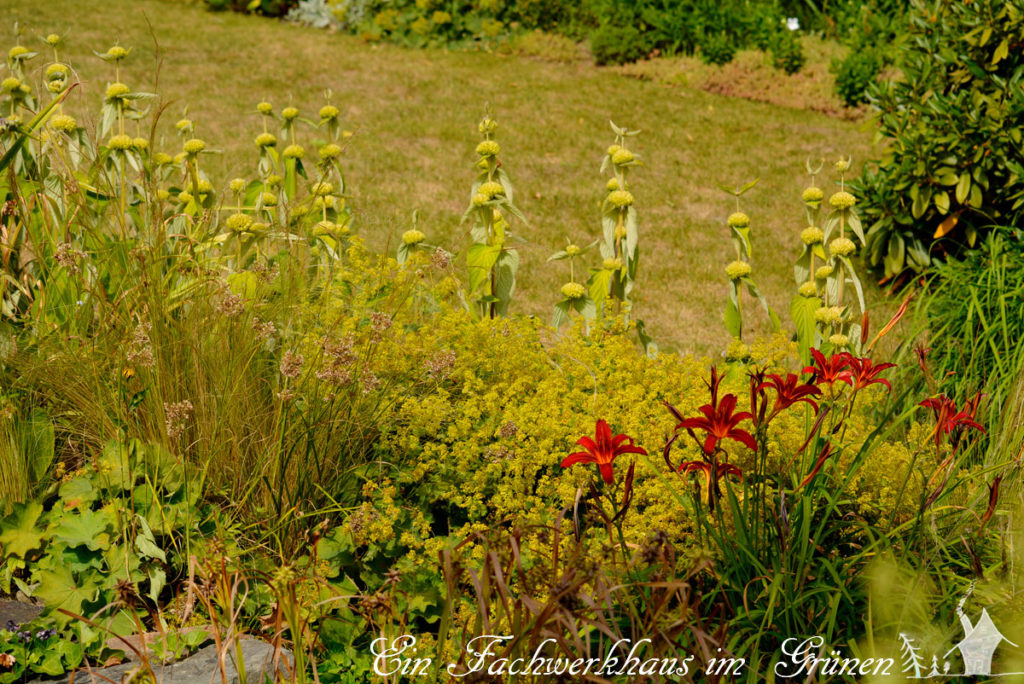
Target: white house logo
[(976, 649)]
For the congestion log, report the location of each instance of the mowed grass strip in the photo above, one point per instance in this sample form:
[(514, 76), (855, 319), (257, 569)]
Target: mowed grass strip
[(414, 115)]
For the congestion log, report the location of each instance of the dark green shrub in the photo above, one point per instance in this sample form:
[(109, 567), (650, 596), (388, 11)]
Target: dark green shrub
[(617, 45), (717, 49), (855, 74), (787, 52), (955, 126)]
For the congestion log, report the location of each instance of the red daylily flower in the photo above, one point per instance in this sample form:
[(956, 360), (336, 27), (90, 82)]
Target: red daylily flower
[(719, 422), (948, 419), (830, 370), (789, 391), (864, 372), (602, 450), (724, 469)]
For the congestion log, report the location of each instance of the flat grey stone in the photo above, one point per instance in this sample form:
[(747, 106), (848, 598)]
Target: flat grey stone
[(200, 668), (18, 611)]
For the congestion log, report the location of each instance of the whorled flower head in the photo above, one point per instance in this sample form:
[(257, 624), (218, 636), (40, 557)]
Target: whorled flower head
[(239, 222), (573, 291), (162, 159), (480, 199), (117, 53), (274, 180), (237, 184), (193, 147), (622, 156), (328, 113), (812, 235), (843, 165), (812, 194), (620, 231), (491, 189), (611, 264), (738, 219), (265, 108), (842, 200), (330, 151), (737, 269), (183, 124), (808, 290), (842, 246), (162, 194), (322, 189), (57, 72), (289, 113), (413, 237), (17, 52), (140, 143), (325, 228), (612, 184), (117, 90), (185, 197), (839, 340), (612, 149), (64, 122), (293, 151), (488, 148), (265, 140), (572, 250), (823, 272), (268, 199), (828, 315), (120, 142), (487, 126), (620, 198), (10, 84), (53, 40)]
